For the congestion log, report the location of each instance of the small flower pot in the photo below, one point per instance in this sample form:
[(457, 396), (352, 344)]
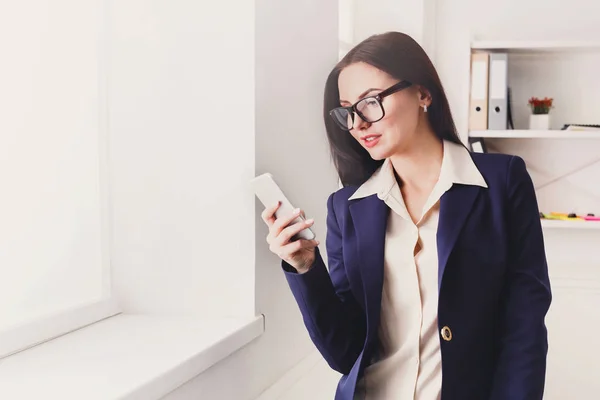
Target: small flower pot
[(539, 122)]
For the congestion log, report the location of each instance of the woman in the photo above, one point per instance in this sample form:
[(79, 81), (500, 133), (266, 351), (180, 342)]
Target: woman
[(437, 284)]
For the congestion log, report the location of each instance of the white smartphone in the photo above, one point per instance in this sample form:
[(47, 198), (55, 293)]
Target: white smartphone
[(269, 193)]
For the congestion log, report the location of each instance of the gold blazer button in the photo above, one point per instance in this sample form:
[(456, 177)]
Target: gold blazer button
[(446, 334)]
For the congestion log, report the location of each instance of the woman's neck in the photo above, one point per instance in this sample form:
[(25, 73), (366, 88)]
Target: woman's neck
[(419, 166)]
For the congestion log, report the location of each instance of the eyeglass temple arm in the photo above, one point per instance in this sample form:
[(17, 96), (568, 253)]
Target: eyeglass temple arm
[(395, 88)]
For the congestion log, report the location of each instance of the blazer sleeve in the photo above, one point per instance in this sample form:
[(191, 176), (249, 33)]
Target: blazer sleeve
[(521, 368), (332, 316)]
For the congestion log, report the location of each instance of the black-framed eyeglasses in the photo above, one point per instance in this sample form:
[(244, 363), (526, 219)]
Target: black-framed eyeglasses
[(368, 109)]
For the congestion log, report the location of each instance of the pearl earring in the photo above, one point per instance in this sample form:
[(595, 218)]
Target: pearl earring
[(424, 107)]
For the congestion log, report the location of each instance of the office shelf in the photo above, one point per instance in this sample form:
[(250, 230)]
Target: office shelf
[(522, 46), (575, 224), (533, 134)]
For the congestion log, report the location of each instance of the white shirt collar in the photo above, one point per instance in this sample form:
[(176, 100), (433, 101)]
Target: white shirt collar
[(457, 167)]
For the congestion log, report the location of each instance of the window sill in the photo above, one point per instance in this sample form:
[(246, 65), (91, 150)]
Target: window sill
[(125, 357)]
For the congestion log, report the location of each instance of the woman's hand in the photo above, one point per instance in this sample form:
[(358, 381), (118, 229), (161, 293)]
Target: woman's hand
[(300, 254)]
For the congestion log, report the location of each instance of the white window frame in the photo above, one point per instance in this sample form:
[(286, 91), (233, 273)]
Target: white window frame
[(41, 330)]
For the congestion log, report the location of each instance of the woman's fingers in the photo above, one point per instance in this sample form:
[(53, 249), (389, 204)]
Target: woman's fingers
[(282, 221), (268, 214), (283, 228), (286, 234)]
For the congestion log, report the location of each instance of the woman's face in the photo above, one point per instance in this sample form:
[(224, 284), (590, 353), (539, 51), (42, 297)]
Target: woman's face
[(395, 132)]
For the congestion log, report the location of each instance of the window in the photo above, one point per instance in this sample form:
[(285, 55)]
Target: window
[(54, 258), (112, 164)]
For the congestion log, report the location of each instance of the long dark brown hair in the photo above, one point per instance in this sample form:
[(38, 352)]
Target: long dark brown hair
[(403, 58)]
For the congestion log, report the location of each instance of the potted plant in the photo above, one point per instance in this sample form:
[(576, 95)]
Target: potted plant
[(540, 113)]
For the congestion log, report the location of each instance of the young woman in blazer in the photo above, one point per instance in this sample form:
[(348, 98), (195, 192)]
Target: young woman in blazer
[(437, 284)]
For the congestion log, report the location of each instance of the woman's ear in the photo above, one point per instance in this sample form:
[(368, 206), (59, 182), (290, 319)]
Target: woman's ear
[(424, 96)]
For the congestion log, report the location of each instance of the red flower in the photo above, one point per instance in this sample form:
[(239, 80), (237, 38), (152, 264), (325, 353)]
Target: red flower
[(540, 106)]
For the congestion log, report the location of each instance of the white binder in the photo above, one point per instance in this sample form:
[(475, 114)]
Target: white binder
[(478, 110), (498, 104)]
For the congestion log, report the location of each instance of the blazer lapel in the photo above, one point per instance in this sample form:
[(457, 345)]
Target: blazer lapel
[(370, 216), (455, 206)]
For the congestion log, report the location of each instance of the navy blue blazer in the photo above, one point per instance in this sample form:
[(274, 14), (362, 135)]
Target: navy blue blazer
[(494, 290)]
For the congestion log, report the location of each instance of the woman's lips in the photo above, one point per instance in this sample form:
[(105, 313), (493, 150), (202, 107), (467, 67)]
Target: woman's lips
[(370, 140)]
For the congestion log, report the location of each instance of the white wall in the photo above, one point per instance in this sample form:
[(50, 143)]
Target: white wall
[(408, 16), (181, 93), (571, 79), (296, 46)]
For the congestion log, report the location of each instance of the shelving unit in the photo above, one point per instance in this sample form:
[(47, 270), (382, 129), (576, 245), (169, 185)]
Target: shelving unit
[(521, 46), (531, 134), (538, 68), (577, 224)]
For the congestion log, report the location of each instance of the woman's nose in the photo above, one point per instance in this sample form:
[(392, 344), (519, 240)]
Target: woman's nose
[(359, 123)]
